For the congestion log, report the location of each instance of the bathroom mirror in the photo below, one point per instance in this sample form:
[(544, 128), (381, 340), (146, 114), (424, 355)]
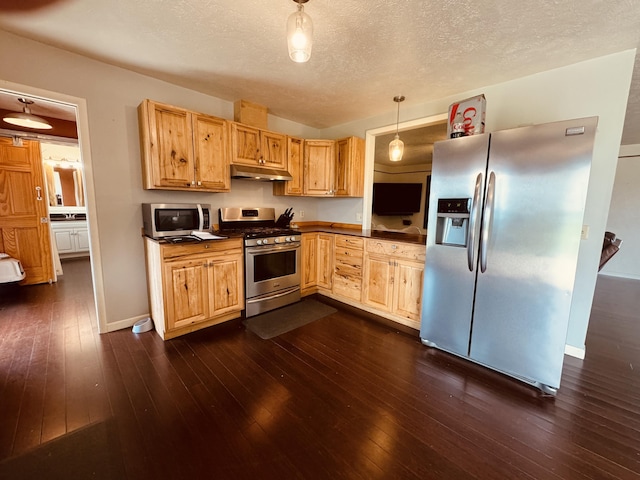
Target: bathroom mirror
[(63, 175)]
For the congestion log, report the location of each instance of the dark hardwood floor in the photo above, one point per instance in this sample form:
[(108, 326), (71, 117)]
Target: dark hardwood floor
[(342, 397)]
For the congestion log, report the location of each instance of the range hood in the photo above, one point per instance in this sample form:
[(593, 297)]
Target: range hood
[(247, 172)]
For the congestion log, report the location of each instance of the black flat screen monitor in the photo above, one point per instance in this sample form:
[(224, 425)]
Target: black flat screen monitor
[(396, 198)]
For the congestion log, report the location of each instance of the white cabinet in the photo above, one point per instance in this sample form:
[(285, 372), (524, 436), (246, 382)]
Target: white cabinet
[(71, 237)]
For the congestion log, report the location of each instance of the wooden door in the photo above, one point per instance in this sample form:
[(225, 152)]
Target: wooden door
[(378, 282), (211, 159), (407, 289), (294, 167), (24, 225), (226, 286), (273, 150), (325, 260), (309, 264), (245, 144), (349, 167), (318, 167), (185, 292), (167, 146)]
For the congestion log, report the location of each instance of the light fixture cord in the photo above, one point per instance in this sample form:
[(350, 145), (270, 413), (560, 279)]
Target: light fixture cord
[(398, 118)]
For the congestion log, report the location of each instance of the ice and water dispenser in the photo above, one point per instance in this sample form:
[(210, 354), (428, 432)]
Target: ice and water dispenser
[(453, 221)]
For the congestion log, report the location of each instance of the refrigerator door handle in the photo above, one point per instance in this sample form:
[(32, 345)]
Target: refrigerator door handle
[(473, 220), (486, 221)]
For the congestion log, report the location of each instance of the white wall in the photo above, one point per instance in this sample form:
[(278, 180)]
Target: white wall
[(597, 87), (624, 219)]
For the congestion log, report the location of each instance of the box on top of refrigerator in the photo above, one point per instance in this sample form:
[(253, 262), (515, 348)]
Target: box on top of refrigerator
[(472, 112)]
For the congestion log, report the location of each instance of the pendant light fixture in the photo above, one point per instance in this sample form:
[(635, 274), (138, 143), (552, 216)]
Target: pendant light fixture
[(396, 146), (26, 118), (300, 34)]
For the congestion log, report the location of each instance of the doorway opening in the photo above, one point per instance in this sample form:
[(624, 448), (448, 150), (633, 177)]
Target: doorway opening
[(67, 110)]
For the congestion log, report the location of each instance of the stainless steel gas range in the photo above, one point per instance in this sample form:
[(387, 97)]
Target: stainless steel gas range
[(272, 257)]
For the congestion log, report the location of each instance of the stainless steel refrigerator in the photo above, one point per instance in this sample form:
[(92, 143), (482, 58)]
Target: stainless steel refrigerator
[(505, 221)]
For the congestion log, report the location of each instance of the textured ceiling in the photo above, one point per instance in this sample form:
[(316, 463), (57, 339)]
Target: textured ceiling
[(364, 52)]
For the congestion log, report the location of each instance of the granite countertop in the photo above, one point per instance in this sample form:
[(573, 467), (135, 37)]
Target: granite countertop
[(379, 234)]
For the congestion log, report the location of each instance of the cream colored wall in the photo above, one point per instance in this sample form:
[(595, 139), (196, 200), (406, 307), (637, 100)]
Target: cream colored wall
[(623, 215), (597, 87)]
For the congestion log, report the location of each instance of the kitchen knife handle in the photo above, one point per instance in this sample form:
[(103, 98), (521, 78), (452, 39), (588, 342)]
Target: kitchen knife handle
[(473, 220), (486, 221)]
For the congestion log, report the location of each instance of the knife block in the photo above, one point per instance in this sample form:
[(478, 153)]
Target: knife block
[(283, 221)]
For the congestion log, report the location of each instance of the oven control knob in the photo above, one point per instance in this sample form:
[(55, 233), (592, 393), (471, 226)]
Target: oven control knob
[(259, 242), (265, 241), (277, 240), (289, 239)]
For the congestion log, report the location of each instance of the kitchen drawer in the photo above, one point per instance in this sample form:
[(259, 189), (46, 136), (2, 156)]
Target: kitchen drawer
[(346, 241), (397, 249), (349, 256), (230, 247), (347, 270), (348, 286)]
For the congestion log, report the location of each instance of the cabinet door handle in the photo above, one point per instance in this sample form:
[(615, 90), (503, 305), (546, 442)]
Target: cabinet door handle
[(39, 193)]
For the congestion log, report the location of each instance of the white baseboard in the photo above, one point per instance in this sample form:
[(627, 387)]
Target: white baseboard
[(574, 351), (126, 323), (620, 275)]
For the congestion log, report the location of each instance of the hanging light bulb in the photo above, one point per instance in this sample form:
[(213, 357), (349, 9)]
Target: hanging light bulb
[(396, 146), (300, 34), (26, 118)]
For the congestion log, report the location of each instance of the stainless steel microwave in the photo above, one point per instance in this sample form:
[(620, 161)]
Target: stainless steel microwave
[(175, 219)]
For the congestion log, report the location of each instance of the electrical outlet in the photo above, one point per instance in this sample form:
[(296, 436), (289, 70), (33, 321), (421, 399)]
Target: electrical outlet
[(585, 232), (301, 213)]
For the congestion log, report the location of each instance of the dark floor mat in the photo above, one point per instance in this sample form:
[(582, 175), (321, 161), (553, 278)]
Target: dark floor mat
[(285, 319)]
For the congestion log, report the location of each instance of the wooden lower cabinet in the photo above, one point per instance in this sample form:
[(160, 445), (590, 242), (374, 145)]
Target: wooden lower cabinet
[(393, 275), (194, 286), (317, 263), (378, 276), (309, 265), (325, 261)]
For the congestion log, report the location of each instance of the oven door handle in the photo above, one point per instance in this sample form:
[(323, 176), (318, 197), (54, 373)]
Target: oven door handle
[(269, 249), (270, 296)]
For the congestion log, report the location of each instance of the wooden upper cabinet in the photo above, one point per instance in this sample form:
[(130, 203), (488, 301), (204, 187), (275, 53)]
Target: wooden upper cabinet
[(329, 168), (182, 150), (273, 150), (349, 167), (256, 147), (211, 153), (319, 167), (295, 167)]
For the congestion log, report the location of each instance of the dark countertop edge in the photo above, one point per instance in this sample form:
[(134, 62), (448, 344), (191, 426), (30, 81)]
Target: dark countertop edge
[(227, 236), (379, 234)]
